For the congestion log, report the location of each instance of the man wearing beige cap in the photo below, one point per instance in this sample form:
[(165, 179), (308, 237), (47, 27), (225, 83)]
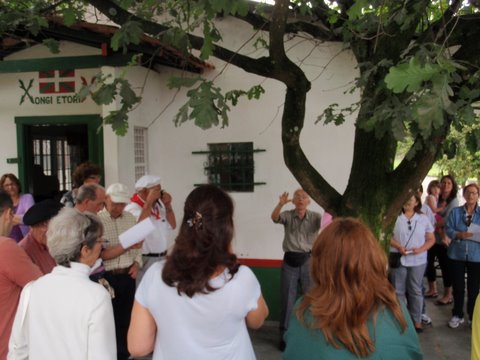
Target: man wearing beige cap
[(121, 265), (151, 201)]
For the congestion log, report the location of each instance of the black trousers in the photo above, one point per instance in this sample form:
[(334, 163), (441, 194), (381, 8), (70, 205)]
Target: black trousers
[(439, 251), (124, 287), (473, 284)]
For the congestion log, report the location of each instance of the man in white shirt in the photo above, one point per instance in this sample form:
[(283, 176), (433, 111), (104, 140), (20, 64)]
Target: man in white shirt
[(150, 201)]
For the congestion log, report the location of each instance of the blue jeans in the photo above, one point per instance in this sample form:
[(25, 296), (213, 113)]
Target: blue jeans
[(291, 277)]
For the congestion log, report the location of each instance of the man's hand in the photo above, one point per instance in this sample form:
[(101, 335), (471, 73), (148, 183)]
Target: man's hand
[(153, 195), (133, 271), (283, 199), (166, 199)]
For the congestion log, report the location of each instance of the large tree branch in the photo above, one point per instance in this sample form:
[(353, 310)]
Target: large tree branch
[(317, 29), (261, 66)]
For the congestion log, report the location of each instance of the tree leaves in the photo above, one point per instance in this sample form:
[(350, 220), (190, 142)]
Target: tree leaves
[(409, 76), (130, 33), (104, 90), (207, 106)]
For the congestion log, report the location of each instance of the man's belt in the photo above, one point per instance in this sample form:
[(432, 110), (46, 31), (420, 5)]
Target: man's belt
[(162, 254), (119, 271)]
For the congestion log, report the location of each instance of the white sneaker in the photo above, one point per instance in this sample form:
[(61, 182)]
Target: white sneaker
[(426, 320), (455, 322)]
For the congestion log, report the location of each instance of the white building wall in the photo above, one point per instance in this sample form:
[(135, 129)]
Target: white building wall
[(11, 93), (329, 148)]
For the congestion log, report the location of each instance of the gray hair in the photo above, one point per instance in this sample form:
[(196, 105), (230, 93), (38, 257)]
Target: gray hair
[(69, 231), (87, 192)]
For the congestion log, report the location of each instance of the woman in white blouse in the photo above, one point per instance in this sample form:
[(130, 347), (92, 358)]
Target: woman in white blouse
[(412, 237), (68, 316)]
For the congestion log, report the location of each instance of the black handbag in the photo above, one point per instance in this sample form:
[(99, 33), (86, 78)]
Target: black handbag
[(394, 260), (295, 259), (394, 257)]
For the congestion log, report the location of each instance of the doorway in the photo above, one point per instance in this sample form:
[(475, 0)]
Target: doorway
[(50, 148)]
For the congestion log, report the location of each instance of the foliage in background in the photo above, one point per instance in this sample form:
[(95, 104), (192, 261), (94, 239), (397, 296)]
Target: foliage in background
[(418, 64)]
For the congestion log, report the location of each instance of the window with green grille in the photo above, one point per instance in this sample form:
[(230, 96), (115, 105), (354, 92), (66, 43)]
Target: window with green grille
[(231, 166)]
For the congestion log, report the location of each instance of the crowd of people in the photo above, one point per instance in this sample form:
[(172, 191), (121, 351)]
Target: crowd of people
[(71, 289)]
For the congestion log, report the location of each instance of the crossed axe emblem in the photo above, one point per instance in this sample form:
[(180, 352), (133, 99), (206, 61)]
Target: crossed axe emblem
[(26, 89)]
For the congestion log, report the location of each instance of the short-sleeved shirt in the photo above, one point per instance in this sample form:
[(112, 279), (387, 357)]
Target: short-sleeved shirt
[(411, 233), (206, 326), (157, 241), (299, 233), (112, 229)]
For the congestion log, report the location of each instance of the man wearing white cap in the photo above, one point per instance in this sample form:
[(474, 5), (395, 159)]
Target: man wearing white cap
[(151, 201), (121, 265)]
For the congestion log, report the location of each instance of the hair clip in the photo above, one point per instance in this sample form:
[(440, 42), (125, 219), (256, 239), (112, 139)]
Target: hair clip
[(195, 220)]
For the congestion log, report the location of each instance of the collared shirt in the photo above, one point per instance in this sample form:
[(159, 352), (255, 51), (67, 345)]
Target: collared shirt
[(112, 229), (38, 253), (410, 233), (157, 241), (462, 249), (299, 233)]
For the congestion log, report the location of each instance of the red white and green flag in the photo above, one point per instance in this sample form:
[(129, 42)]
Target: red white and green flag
[(56, 81)]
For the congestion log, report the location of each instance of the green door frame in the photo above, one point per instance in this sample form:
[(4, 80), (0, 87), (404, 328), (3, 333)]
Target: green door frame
[(94, 129)]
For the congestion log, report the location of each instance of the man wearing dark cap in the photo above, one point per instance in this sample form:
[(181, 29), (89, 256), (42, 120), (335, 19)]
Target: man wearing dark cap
[(35, 243)]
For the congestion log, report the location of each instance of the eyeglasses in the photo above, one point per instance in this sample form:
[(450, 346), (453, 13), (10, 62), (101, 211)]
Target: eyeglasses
[(103, 241), (468, 219), (468, 193)]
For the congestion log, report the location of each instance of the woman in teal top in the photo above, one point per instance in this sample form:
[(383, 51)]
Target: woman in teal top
[(352, 311)]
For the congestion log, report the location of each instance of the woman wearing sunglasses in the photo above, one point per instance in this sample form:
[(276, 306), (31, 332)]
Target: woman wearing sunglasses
[(412, 237)]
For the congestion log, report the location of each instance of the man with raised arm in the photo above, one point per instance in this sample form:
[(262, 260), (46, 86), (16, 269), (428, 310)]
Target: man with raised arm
[(150, 201), (301, 229)]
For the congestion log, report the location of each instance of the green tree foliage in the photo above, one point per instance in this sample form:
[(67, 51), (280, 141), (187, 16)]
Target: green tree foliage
[(419, 75)]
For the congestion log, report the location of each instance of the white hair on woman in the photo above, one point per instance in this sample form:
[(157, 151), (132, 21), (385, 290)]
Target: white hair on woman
[(68, 231)]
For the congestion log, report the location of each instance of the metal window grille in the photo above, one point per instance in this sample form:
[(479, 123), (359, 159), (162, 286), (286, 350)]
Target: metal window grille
[(230, 166), (140, 144)]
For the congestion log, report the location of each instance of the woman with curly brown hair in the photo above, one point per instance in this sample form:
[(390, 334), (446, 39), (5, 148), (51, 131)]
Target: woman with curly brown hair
[(198, 304), (352, 311)]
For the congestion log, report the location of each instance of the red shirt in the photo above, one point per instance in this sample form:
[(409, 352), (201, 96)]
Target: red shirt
[(38, 253), (16, 270)]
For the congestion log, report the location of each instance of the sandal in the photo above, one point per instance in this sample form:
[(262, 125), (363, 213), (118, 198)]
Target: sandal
[(442, 303), (431, 295)]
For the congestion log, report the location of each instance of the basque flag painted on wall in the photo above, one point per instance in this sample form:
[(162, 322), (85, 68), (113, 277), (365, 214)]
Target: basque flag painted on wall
[(56, 81)]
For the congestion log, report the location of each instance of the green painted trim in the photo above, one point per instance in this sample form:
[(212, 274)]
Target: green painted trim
[(227, 151), (269, 279), (254, 184), (94, 129), (63, 63)]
